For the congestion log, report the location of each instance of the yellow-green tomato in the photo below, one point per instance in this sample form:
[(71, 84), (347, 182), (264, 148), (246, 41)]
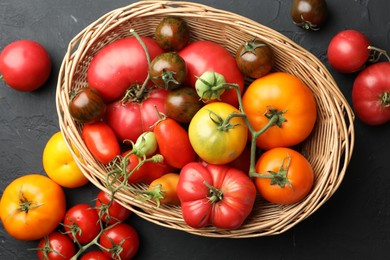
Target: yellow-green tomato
[(216, 138), (59, 164)]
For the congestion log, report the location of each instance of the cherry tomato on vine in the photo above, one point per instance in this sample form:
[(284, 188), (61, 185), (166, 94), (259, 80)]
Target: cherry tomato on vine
[(348, 51), (167, 184), (56, 246), (172, 33), (95, 255), (168, 70), (32, 206), (122, 240), (288, 102), (214, 138), (112, 212), (255, 59), (87, 105), (309, 14), (81, 223), (182, 104), (287, 176), (25, 65), (371, 94), (101, 141)]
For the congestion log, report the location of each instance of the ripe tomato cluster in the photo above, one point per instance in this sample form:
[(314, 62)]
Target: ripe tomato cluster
[(173, 113)]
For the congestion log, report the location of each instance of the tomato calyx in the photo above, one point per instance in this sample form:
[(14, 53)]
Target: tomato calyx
[(25, 204), (279, 177), (224, 124), (46, 249), (251, 46), (307, 25), (385, 100), (168, 78), (272, 113), (214, 194)]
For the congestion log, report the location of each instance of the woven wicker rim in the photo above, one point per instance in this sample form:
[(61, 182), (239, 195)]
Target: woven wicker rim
[(329, 147)]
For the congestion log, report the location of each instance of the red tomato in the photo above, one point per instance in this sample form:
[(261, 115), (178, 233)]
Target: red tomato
[(371, 94), (113, 212), (122, 240), (202, 56), (25, 65), (288, 176), (95, 255), (81, 223), (130, 119), (215, 194), (56, 246), (101, 141), (174, 143), (120, 65), (348, 51)]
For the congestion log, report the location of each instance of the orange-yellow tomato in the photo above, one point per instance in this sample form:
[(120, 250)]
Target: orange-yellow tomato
[(167, 184), (32, 206), (59, 164), (287, 176), (291, 102)]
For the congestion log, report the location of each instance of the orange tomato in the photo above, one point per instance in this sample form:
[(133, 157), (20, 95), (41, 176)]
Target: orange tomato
[(32, 206), (285, 95), (167, 185), (286, 176)]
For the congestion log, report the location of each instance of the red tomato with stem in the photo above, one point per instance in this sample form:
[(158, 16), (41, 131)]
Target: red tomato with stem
[(25, 65), (216, 195), (56, 246), (121, 240), (101, 141), (81, 223), (202, 56), (95, 255), (130, 119), (110, 210), (119, 65), (371, 94), (174, 143)]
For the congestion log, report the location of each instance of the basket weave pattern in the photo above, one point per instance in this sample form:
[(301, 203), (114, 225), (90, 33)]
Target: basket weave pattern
[(328, 148)]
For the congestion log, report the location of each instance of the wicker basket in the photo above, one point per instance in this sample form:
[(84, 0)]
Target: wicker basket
[(328, 149)]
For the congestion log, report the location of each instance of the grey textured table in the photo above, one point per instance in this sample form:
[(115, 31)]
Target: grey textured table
[(353, 224)]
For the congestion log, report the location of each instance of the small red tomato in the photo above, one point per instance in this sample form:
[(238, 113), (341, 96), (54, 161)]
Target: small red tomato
[(25, 65), (56, 246), (95, 255), (113, 212), (172, 33), (309, 14)]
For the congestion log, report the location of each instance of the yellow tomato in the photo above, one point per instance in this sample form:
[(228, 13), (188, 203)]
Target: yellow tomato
[(59, 164)]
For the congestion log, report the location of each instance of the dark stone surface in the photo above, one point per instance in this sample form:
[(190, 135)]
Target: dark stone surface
[(353, 224)]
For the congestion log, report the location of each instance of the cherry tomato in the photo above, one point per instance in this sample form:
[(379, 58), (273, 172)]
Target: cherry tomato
[(56, 246), (130, 119), (111, 211), (182, 104), (172, 33), (286, 99), (213, 138), (371, 94), (119, 65), (122, 240), (348, 51), (101, 141), (81, 223), (25, 65), (167, 184), (32, 206), (173, 143), (202, 56), (168, 70), (287, 176), (87, 105), (309, 14), (95, 255), (255, 59), (60, 165)]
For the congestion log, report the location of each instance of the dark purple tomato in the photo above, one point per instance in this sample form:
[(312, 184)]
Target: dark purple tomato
[(87, 105), (255, 59), (168, 70), (182, 104), (172, 33), (309, 14)]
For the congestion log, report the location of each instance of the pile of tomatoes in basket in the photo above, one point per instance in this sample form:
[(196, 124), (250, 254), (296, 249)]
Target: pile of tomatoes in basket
[(176, 114)]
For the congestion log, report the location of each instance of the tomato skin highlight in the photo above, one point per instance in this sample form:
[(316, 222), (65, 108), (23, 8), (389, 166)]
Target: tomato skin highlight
[(371, 94), (25, 65), (101, 141), (48, 202), (299, 174)]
